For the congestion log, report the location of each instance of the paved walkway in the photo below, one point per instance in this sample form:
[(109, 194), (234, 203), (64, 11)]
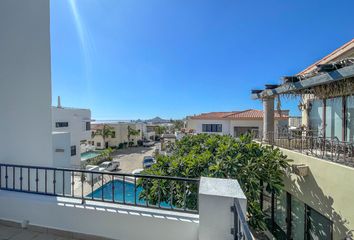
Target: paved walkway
[(13, 233)]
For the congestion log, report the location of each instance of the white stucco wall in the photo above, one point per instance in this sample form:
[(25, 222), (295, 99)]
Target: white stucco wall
[(25, 82), (100, 219), (77, 119), (196, 124), (61, 149), (216, 196)]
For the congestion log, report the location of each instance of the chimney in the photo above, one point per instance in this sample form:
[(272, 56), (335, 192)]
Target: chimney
[(59, 104)]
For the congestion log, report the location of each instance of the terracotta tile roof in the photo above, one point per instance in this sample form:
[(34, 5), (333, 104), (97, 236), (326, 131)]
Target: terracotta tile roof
[(250, 114), (213, 115), (341, 51)]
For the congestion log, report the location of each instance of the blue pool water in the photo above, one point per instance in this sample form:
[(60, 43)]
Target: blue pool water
[(118, 193), (88, 155)]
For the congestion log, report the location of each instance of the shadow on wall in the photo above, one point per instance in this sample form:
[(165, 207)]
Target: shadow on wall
[(307, 190)]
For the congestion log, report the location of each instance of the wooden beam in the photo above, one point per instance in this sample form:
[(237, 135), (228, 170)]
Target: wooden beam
[(320, 79)]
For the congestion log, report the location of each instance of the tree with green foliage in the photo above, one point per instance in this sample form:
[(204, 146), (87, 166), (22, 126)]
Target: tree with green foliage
[(105, 132), (159, 130), (177, 125), (132, 132), (222, 157)]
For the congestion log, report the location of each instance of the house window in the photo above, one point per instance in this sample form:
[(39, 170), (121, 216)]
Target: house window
[(316, 117), (298, 218), (334, 119), (88, 126), (287, 217), (98, 144), (212, 127), (73, 150), (350, 119), (281, 214), (61, 124), (318, 227)]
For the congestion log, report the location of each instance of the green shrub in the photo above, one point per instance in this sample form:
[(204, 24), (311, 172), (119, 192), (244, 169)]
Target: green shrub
[(222, 157)]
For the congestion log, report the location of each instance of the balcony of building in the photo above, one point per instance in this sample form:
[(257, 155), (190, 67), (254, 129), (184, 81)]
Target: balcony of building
[(310, 143), (317, 186), (43, 203)]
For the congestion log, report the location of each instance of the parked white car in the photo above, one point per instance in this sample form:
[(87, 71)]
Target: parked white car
[(109, 166), (148, 143)]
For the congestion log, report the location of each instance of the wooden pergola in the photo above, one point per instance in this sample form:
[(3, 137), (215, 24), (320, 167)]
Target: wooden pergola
[(296, 87)]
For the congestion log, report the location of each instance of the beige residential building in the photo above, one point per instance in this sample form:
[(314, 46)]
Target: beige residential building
[(119, 134)]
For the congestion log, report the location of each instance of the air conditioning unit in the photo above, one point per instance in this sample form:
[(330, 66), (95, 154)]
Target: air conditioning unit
[(301, 170)]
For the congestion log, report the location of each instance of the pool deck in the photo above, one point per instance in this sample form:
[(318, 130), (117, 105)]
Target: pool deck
[(132, 158)]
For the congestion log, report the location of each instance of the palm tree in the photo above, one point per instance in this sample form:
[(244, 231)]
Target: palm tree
[(177, 125), (159, 130), (132, 132), (105, 132)]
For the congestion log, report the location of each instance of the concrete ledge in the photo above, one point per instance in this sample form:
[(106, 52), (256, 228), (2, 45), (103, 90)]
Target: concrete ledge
[(70, 218), (221, 188)]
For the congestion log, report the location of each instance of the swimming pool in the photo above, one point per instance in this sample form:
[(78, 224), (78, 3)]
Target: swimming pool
[(118, 193), (89, 155)]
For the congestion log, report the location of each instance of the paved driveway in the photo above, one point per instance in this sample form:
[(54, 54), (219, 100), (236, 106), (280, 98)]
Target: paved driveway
[(131, 158)]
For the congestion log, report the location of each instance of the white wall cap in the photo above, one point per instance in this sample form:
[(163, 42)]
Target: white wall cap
[(221, 187), (59, 133)]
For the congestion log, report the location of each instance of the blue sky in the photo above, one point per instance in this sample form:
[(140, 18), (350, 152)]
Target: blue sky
[(130, 59)]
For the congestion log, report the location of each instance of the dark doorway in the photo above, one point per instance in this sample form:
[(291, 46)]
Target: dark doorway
[(238, 131)]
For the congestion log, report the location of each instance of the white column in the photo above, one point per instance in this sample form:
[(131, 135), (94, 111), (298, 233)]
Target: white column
[(268, 118), (216, 197)]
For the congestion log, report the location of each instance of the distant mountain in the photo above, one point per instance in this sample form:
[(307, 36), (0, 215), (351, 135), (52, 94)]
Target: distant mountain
[(158, 120)]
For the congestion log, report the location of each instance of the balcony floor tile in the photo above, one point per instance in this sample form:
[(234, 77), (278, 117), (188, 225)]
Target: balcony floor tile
[(14, 233)]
